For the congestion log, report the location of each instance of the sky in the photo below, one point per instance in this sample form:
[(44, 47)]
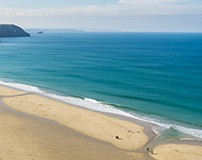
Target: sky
[(105, 15)]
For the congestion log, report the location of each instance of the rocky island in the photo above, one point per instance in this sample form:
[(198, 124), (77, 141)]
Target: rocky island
[(10, 30)]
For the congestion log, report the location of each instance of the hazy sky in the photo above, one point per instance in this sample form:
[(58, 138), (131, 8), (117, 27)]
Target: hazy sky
[(118, 15)]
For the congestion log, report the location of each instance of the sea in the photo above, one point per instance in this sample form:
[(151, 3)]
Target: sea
[(153, 77)]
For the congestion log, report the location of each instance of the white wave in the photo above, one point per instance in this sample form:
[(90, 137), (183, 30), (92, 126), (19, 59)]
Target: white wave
[(91, 100), (23, 87), (92, 104), (87, 102), (164, 126)]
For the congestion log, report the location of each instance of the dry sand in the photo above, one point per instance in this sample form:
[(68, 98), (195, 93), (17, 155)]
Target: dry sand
[(85, 121), (177, 152), (25, 134), (25, 137), (5, 91), (35, 127)]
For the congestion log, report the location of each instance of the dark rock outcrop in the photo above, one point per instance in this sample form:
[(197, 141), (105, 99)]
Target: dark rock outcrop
[(10, 30), (40, 32)]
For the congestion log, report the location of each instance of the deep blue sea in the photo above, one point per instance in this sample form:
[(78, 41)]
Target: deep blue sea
[(156, 77)]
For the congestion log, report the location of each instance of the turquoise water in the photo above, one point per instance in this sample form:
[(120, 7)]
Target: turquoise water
[(153, 76)]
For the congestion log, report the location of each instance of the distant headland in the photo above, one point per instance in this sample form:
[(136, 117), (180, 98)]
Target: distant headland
[(11, 30)]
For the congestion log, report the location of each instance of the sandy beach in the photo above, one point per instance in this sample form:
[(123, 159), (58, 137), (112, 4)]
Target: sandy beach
[(36, 127)]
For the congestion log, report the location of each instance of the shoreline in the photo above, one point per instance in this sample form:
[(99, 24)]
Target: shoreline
[(147, 124), (42, 138), (188, 132), (75, 111), (147, 135)]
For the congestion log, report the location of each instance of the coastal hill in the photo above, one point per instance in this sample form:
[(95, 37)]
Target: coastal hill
[(10, 30)]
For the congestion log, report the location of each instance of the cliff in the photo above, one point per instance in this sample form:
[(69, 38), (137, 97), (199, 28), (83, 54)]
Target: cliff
[(10, 30)]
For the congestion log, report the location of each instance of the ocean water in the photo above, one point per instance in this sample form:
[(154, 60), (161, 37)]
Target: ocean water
[(156, 77)]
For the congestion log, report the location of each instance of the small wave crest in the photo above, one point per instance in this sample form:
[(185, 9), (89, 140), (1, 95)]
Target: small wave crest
[(23, 87), (89, 104), (159, 126), (91, 100), (86, 102)]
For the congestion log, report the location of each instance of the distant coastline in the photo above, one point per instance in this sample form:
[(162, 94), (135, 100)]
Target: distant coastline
[(39, 30)]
